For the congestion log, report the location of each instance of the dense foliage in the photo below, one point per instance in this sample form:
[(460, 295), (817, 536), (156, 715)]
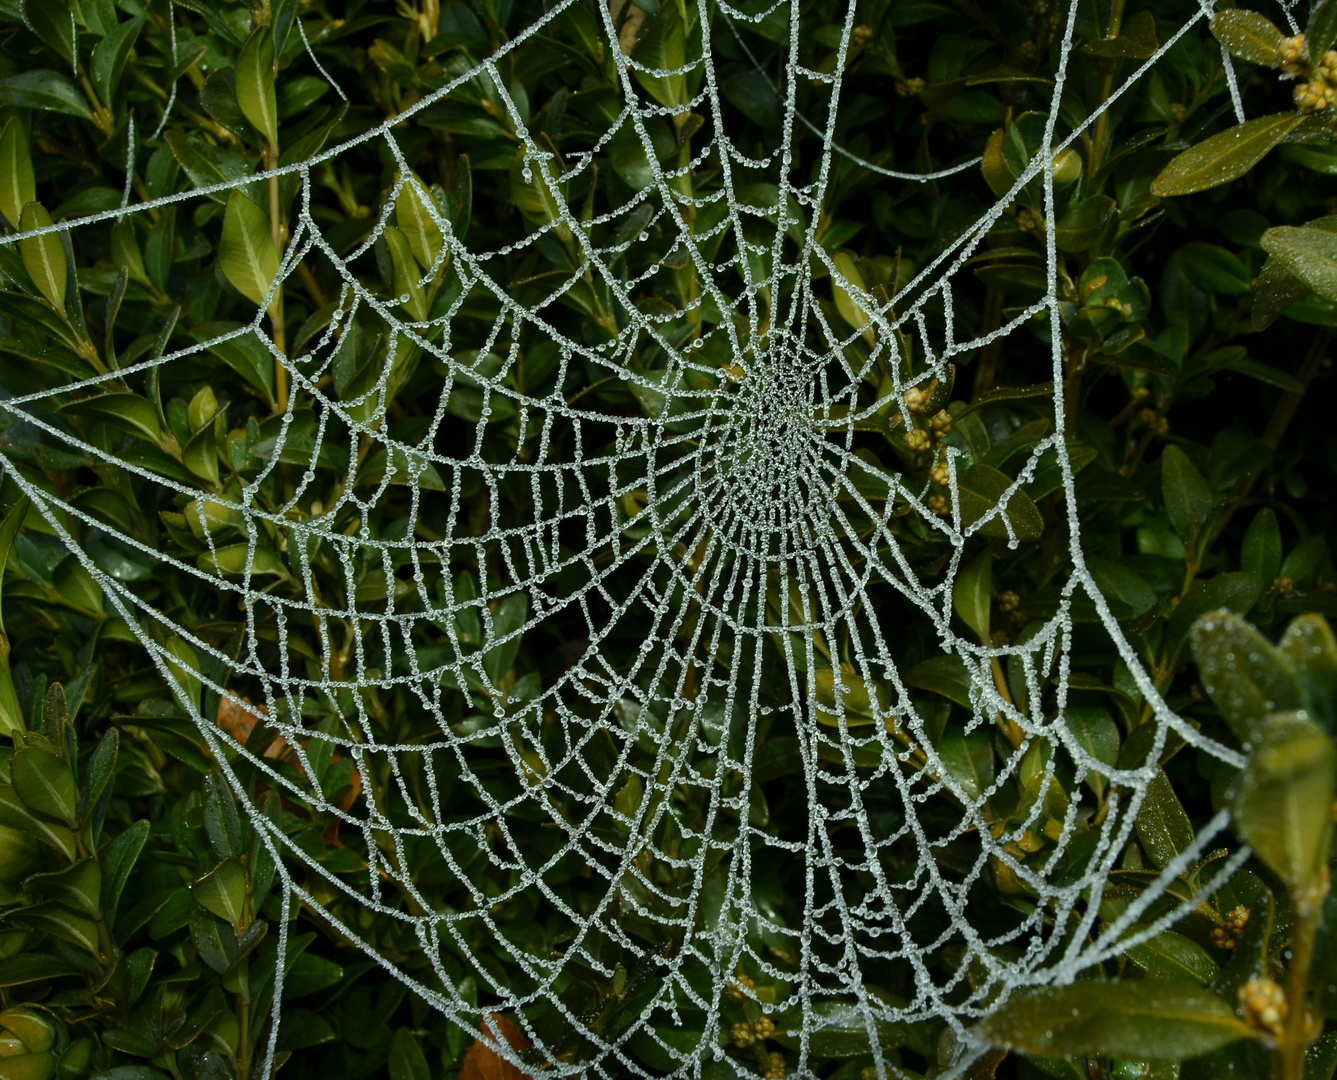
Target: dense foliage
[(1198, 294)]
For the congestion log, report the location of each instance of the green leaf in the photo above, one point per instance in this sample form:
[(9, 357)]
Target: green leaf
[(1214, 268), (1237, 592), (45, 90), (997, 172), (1246, 678), (1276, 290), (1163, 829), (118, 860), (1309, 254), (972, 594), (45, 783), (1084, 222), (837, 1029), (408, 290), (1136, 40), (663, 48), (407, 1061), (416, 223), (1124, 589), (78, 886), (1223, 157), (233, 560), (1136, 1019), (185, 668), (968, 758), (980, 489), (1283, 807), (1264, 373), (1249, 36), (43, 256), (200, 455), (247, 254), (18, 187), (222, 891), (1188, 499), (534, 197), (856, 706), (1311, 652), (59, 921), (77, 587), (208, 165), (221, 821), (1174, 955), (255, 84), (129, 413), (945, 675), (110, 55), (1096, 733), (1321, 31)]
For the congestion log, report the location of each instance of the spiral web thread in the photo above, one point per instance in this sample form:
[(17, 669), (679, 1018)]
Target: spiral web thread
[(758, 495)]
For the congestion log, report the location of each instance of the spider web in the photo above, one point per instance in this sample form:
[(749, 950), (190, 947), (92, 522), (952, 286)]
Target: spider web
[(732, 516)]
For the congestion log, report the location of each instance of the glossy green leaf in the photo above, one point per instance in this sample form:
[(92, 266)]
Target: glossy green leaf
[(408, 290), (663, 50), (248, 255), (855, 705), (1084, 222), (118, 858), (1275, 290), (1124, 589), (1173, 955), (968, 758), (1283, 808), (417, 224), (45, 783), (208, 165), (1094, 730), (78, 886), (185, 668), (981, 488), (17, 184), (1321, 30), (254, 82), (837, 1030), (532, 193), (235, 559), (200, 455), (1246, 678), (128, 413), (77, 587), (56, 919), (1309, 254), (222, 891), (43, 256), (1223, 157), (1188, 499), (1237, 592), (110, 55), (1163, 828), (46, 90), (1248, 35), (972, 594), (1136, 40), (407, 1061), (997, 172), (1310, 652), (945, 675), (1136, 1019)]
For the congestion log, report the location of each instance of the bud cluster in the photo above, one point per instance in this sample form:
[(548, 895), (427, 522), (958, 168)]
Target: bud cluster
[(1227, 936), (1318, 92)]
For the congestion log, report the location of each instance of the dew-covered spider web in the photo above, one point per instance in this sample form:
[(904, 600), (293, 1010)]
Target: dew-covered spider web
[(734, 560)]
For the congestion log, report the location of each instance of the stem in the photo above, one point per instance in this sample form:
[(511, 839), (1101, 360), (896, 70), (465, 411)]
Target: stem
[(1293, 1039), (1101, 136), (244, 1022), (986, 371)]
